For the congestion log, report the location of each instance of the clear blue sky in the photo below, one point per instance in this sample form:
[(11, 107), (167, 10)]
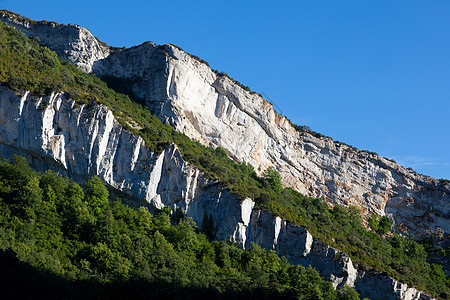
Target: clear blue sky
[(373, 74)]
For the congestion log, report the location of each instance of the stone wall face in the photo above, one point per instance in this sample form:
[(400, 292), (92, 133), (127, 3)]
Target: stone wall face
[(187, 94)]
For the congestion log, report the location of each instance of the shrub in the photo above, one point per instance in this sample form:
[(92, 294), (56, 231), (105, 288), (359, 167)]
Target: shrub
[(373, 222), (384, 226), (17, 82), (272, 176)]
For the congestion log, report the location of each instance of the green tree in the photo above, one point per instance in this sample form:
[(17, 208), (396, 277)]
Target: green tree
[(274, 179), (347, 293), (96, 192), (208, 227), (373, 222), (384, 226)]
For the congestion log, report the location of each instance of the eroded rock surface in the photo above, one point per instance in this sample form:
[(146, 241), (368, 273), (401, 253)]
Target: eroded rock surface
[(216, 111), (373, 284), (70, 42)]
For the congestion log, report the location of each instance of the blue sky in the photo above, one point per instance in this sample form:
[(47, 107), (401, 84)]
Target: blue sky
[(373, 74)]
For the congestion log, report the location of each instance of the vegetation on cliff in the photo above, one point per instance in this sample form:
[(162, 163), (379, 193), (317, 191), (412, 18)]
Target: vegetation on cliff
[(24, 65)]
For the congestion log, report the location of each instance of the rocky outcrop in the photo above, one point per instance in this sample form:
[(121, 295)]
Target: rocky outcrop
[(70, 42), (85, 140), (299, 247), (373, 284), (187, 93), (197, 101)]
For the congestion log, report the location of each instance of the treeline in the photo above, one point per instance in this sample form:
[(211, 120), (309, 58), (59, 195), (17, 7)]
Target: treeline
[(80, 239), (398, 257)]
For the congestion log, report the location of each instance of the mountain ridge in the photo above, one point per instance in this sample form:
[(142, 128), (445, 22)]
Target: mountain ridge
[(211, 108)]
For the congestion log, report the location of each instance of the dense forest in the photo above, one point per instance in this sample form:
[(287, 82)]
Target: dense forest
[(25, 65), (80, 243)]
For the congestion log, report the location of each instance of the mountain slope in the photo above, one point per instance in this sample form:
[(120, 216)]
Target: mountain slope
[(63, 129), (72, 42), (210, 107), (61, 124)]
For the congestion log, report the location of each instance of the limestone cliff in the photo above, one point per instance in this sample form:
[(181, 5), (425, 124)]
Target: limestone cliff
[(70, 42), (85, 140), (196, 100)]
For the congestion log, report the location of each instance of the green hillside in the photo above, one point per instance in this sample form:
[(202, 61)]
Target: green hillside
[(85, 245)]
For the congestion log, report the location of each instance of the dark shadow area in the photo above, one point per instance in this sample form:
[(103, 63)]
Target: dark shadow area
[(123, 86), (19, 280)]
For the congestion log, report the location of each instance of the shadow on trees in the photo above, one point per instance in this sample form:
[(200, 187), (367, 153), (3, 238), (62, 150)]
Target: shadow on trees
[(19, 280)]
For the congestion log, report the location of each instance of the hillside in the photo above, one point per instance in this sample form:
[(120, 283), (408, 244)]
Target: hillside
[(133, 152)]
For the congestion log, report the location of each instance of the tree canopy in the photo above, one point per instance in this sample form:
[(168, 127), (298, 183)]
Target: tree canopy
[(78, 239)]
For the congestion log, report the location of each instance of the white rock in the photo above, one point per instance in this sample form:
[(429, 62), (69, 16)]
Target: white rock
[(214, 110), (376, 286)]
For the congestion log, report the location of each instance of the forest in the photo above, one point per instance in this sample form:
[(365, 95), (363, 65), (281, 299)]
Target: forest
[(57, 238)]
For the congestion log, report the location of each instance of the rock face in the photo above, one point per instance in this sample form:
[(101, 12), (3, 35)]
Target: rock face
[(373, 284), (86, 140), (213, 109), (70, 42), (197, 101)]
